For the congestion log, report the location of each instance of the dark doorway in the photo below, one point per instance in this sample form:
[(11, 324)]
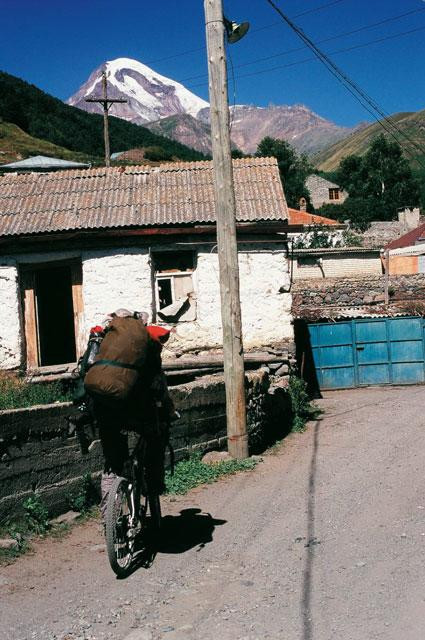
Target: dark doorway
[(55, 316)]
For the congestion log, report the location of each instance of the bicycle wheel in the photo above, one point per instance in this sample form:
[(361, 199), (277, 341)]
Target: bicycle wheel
[(117, 523)]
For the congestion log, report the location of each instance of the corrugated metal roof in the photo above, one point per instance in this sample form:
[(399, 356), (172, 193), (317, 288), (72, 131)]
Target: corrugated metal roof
[(413, 250), (43, 162), (408, 238), (323, 251), (347, 313), (105, 198)]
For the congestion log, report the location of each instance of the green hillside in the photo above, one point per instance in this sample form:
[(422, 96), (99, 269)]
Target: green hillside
[(48, 119), (15, 144), (412, 124)]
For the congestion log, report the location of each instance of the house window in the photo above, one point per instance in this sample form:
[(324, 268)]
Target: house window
[(304, 262), (334, 194), (174, 289)]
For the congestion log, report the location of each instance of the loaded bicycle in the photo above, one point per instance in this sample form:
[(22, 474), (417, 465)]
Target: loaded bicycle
[(132, 515)]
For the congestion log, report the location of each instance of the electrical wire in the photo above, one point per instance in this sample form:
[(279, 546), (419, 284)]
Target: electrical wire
[(358, 93), (304, 60), (268, 26), (329, 39), (336, 37)]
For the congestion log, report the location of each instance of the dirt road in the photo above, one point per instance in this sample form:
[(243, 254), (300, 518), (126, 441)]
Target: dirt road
[(325, 539)]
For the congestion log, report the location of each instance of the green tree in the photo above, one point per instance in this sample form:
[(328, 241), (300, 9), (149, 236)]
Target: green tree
[(293, 169), (378, 183)]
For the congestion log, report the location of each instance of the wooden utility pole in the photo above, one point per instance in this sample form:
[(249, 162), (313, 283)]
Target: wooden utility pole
[(225, 206), (106, 103)]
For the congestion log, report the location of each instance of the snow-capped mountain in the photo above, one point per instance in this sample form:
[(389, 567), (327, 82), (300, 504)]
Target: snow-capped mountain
[(171, 110), (150, 96)]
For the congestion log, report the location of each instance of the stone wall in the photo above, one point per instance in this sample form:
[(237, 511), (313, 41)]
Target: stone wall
[(353, 292), (37, 454), (319, 191)]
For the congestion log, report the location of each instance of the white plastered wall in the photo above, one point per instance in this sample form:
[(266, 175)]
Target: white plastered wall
[(266, 313), (114, 278), (10, 324)]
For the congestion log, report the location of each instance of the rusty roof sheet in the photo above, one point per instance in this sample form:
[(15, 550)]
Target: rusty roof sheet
[(136, 196), (302, 217)]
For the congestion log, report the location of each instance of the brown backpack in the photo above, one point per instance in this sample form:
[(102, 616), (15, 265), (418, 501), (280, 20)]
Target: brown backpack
[(121, 359)]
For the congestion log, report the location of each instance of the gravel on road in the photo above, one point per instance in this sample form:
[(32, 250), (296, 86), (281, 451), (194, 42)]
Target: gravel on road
[(323, 540)]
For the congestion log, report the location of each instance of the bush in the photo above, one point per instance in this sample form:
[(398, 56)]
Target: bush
[(302, 409), (16, 392), (36, 514), (86, 497)]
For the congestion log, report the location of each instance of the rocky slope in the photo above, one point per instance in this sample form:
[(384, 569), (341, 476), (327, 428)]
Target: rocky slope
[(184, 127), (301, 127)]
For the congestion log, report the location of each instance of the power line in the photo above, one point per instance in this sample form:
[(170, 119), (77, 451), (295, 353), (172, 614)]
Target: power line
[(311, 58), (329, 39), (336, 37), (360, 95), (267, 26)]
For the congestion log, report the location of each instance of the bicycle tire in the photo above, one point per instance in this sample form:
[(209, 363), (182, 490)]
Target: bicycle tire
[(155, 511), (120, 554)]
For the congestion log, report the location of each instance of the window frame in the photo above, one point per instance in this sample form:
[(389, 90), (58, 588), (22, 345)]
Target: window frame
[(172, 275), (334, 193)]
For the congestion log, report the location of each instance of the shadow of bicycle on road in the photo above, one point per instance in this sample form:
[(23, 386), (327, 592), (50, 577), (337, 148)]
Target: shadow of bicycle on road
[(191, 528)]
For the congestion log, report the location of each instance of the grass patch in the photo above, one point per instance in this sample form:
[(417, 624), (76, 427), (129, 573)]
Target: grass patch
[(192, 472), (16, 392), (35, 521)]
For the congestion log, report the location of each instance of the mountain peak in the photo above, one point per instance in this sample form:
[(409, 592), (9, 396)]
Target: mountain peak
[(149, 95), (163, 103)]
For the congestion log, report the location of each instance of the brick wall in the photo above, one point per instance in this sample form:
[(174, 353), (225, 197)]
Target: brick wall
[(337, 266)]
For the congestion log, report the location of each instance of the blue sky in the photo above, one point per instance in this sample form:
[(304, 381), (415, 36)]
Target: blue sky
[(55, 44)]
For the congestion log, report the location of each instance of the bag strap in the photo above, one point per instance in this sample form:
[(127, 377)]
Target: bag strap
[(117, 363)]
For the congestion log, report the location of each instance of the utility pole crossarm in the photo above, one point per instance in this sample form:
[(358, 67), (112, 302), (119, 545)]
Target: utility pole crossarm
[(108, 102)]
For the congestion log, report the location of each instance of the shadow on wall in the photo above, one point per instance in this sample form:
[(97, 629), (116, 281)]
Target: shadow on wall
[(304, 356)]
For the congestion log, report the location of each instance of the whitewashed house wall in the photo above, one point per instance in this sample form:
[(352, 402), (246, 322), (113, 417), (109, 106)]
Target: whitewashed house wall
[(114, 278), (10, 323)]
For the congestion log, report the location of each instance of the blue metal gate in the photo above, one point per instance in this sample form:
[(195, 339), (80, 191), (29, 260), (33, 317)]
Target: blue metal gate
[(369, 351)]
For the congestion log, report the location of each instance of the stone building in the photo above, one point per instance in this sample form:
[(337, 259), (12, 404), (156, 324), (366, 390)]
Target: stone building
[(76, 245), (324, 191)]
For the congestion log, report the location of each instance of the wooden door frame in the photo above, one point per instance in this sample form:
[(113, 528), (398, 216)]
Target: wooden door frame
[(29, 304)]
